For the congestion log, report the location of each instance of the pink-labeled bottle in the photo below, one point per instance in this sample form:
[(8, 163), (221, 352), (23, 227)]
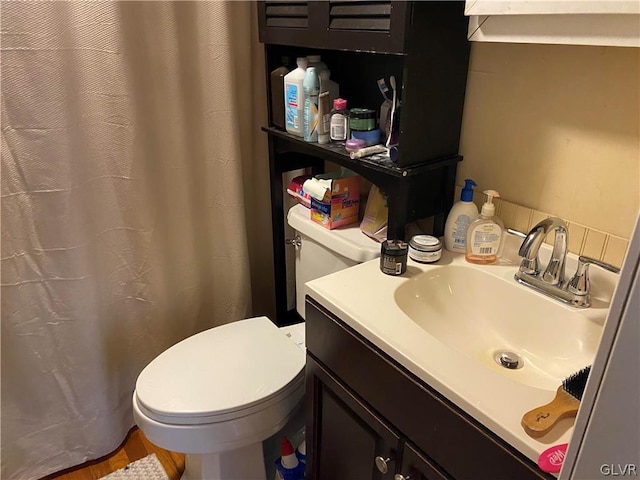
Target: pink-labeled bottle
[(339, 126)]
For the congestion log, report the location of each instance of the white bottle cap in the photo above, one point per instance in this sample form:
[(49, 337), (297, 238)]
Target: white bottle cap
[(488, 208), (302, 448)]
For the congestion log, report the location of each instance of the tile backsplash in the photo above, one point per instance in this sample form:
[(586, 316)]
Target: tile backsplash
[(583, 240)]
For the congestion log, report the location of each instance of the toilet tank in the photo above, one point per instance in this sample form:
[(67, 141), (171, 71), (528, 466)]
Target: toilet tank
[(322, 251)]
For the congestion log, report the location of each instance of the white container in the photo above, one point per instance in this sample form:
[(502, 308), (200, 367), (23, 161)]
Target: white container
[(328, 85), (316, 61), (425, 249), (294, 98), (310, 120), (461, 215), (323, 251)]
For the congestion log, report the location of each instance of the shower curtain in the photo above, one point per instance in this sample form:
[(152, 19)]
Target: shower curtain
[(125, 135)]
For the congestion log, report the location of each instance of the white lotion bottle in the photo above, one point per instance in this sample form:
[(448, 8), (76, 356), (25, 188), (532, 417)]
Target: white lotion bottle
[(461, 215), (484, 235), (294, 98)]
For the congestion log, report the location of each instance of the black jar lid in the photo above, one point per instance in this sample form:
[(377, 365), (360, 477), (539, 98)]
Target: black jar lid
[(394, 248)]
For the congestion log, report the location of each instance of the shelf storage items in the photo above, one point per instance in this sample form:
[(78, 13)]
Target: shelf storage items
[(424, 46)]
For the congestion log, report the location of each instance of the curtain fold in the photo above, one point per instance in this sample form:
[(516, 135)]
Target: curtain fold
[(123, 209)]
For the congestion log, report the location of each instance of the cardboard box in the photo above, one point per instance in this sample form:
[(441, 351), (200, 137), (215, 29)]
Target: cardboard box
[(340, 205)]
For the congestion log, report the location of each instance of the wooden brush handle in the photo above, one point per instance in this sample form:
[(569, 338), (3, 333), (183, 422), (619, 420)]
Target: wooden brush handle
[(540, 420)]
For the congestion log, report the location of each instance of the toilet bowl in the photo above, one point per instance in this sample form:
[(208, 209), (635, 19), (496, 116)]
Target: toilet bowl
[(216, 396)]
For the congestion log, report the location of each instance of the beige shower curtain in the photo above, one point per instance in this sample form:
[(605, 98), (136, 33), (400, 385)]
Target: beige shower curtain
[(127, 141)]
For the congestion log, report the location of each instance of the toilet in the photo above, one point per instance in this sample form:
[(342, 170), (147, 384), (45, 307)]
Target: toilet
[(218, 395), (322, 251)]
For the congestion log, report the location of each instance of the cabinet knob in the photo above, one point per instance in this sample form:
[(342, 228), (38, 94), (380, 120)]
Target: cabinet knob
[(399, 476), (383, 463)]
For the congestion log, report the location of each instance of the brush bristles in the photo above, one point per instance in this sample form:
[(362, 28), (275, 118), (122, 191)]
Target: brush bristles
[(574, 385)]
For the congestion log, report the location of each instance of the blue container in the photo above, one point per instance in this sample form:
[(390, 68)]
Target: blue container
[(370, 137), (296, 473)]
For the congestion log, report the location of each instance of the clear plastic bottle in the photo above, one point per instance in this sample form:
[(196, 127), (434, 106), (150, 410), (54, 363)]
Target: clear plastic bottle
[(485, 234), (294, 98), (311, 85), (339, 128)]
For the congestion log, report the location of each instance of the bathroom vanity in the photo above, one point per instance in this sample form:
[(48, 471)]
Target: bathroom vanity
[(403, 425), (402, 371)]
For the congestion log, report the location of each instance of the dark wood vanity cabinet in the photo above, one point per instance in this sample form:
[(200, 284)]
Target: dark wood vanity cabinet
[(352, 440), (352, 435), (362, 405)]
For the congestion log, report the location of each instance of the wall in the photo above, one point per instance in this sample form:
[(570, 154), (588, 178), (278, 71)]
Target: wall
[(555, 129)]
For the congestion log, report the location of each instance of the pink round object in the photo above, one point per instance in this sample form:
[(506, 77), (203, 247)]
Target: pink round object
[(354, 144), (551, 459)]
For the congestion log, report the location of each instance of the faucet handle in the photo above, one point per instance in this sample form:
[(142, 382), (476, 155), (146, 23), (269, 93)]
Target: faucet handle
[(528, 266), (579, 283)]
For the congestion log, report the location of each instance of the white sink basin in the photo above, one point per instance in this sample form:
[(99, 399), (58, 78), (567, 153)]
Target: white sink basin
[(481, 315), (444, 323)]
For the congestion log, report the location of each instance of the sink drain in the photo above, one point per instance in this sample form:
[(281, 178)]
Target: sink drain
[(509, 360)]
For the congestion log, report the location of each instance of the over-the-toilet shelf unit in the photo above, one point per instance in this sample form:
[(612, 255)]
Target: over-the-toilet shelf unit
[(424, 45)]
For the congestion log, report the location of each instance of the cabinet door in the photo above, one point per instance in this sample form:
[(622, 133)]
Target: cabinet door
[(416, 467), (344, 437), (371, 26)]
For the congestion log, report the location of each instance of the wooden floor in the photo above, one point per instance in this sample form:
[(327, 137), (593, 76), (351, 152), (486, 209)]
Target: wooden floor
[(135, 447)]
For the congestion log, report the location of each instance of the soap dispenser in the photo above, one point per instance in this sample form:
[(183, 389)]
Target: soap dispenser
[(461, 215), (484, 234)]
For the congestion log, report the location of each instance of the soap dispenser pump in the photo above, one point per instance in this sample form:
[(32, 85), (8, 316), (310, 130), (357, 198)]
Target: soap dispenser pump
[(484, 235), (461, 215)]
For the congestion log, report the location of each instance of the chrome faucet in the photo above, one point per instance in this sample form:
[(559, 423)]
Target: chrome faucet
[(554, 273), (552, 281)]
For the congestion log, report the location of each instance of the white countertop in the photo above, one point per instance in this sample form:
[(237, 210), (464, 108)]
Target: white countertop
[(363, 297)]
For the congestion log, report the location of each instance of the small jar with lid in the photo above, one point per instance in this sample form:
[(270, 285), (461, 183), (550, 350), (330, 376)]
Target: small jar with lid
[(393, 257), (425, 248), (362, 119)]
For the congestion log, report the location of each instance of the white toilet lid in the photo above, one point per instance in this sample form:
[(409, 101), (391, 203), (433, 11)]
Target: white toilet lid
[(220, 370)]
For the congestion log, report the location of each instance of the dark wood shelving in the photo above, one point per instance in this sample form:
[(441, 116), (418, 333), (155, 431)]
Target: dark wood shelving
[(414, 192), (423, 45), (375, 169)]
